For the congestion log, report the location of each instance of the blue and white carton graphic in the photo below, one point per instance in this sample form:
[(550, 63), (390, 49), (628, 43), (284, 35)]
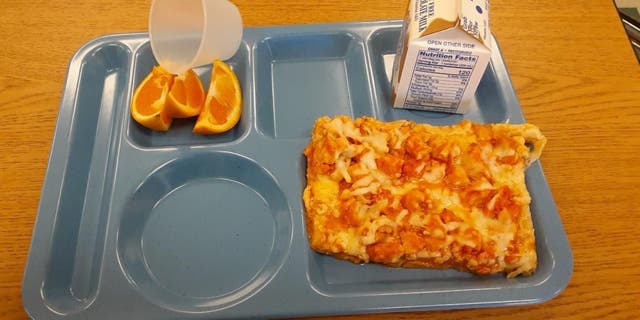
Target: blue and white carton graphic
[(443, 51)]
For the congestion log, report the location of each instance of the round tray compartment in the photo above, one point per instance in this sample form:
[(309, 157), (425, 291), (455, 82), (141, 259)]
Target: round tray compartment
[(204, 232)]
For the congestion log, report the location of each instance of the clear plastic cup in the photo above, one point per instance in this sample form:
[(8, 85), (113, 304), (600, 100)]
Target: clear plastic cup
[(190, 33)]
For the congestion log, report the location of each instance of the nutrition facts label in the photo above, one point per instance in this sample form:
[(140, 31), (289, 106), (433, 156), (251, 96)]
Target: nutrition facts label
[(440, 78)]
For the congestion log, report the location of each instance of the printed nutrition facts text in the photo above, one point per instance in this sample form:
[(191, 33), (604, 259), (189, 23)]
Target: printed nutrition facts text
[(440, 78)]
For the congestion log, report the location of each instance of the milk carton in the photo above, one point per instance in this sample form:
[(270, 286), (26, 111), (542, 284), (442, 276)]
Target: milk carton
[(442, 54)]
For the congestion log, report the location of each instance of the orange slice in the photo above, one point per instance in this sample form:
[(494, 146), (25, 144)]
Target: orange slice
[(223, 104), (149, 100), (186, 96)]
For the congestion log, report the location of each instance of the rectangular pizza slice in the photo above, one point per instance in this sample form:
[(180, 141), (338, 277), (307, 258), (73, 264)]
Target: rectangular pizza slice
[(414, 195)]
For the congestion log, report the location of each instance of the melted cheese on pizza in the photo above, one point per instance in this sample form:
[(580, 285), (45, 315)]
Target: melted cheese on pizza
[(414, 195)]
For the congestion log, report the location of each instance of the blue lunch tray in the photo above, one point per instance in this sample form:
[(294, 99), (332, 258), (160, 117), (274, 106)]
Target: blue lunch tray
[(135, 224)]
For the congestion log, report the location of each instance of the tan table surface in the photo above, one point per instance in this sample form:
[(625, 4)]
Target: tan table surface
[(571, 65)]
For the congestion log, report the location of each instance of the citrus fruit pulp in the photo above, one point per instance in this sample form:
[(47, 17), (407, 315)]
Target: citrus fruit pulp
[(186, 96), (223, 104), (149, 100)]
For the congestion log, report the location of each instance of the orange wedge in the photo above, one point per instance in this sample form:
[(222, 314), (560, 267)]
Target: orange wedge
[(186, 96), (223, 104), (149, 100)]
